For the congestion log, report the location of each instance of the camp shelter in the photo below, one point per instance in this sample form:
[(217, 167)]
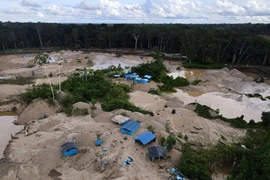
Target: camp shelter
[(147, 76), (129, 127), (131, 76), (156, 152), (138, 80), (144, 81), (145, 138), (98, 142), (119, 119), (69, 149)]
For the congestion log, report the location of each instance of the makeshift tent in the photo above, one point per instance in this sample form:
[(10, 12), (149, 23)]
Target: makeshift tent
[(120, 119), (131, 76), (144, 81), (138, 80), (69, 149), (98, 142), (147, 76), (156, 152), (129, 127), (145, 138)]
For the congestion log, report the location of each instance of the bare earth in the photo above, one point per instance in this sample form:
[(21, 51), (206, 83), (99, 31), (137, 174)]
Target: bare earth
[(38, 156)]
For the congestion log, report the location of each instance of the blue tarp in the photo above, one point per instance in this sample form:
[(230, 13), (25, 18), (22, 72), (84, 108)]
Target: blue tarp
[(98, 142), (144, 81), (145, 138), (129, 127), (131, 76), (138, 80), (147, 76), (69, 149)]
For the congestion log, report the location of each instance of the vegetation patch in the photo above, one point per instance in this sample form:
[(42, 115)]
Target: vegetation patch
[(196, 82), (205, 65), (247, 159), (18, 81), (258, 96)]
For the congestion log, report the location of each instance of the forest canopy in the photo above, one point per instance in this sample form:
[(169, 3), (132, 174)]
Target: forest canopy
[(202, 43)]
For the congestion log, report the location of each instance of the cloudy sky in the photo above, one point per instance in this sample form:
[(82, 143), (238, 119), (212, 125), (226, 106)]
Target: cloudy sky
[(136, 11)]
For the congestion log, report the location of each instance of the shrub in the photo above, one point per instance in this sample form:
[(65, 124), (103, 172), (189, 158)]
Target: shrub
[(170, 142), (195, 82), (78, 61), (154, 91), (203, 65), (180, 135), (151, 128), (162, 141), (178, 68)]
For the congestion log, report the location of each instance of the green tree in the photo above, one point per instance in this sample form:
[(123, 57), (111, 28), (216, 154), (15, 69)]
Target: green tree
[(170, 142)]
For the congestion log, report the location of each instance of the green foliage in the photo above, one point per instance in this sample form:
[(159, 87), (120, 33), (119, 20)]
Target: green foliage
[(195, 82), (266, 118), (80, 112), (18, 81), (171, 141), (41, 59), (178, 68), (180, 135), (154, 91), (169, 83), (203, 65), (121, 104), (33, 73), (94, 86), (162, 141), (90, 62), (156, 69), (50, 75), (78, 60), (205, 112), (43, 91), (151, 128), (158, 54), (257, 96)]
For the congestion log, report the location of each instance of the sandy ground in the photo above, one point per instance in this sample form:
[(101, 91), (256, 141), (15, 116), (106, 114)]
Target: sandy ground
[(7, 128), (225, 90), (38, 156)]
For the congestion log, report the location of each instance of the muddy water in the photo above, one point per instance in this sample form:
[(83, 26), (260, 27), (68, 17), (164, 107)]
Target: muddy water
[(7, 128), (229, 105), (188, 73)]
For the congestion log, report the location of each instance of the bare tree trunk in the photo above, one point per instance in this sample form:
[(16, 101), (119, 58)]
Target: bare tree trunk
[(39, 38), (265, 58), (218, 57), (3, 45), (136, 37), (148, 44), (239, 60), (233, 58)]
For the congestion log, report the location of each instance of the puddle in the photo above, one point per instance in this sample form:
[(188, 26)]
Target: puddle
[(7, 127), (193, 93), (229, 105), (188, 73)]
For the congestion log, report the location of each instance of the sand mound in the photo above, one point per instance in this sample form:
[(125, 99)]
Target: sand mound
[(81, 108), (145, 87), (38, 109)]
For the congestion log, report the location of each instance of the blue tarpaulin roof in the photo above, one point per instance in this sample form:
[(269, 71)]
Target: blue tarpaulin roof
[(145, 137), (98, 142), (68, 146), (129, 127), (148, 76)]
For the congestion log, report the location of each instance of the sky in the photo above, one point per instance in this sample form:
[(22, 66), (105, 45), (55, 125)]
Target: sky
[(136, 11)]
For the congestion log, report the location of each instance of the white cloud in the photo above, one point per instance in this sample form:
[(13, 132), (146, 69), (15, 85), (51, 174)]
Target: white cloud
[(40, 15), (55, 10), (29, 3), (226, 8), (14, 11), (87, 6)]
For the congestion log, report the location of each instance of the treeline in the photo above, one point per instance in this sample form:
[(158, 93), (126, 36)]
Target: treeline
[(221, 43)]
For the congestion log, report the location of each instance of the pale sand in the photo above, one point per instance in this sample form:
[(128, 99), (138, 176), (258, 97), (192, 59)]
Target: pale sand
[(7, 128)]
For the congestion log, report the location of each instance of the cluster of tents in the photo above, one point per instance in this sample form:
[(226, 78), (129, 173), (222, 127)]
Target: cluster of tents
[(137, 79)]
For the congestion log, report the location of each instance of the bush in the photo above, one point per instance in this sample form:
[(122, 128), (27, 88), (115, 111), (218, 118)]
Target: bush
[(206, 65), (154, 91), (162, 141), (195, 82), (170, 142), (151, 128), (43, 91), (178, 68)]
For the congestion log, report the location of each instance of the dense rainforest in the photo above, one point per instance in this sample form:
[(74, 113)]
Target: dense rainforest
[(221, 43)]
